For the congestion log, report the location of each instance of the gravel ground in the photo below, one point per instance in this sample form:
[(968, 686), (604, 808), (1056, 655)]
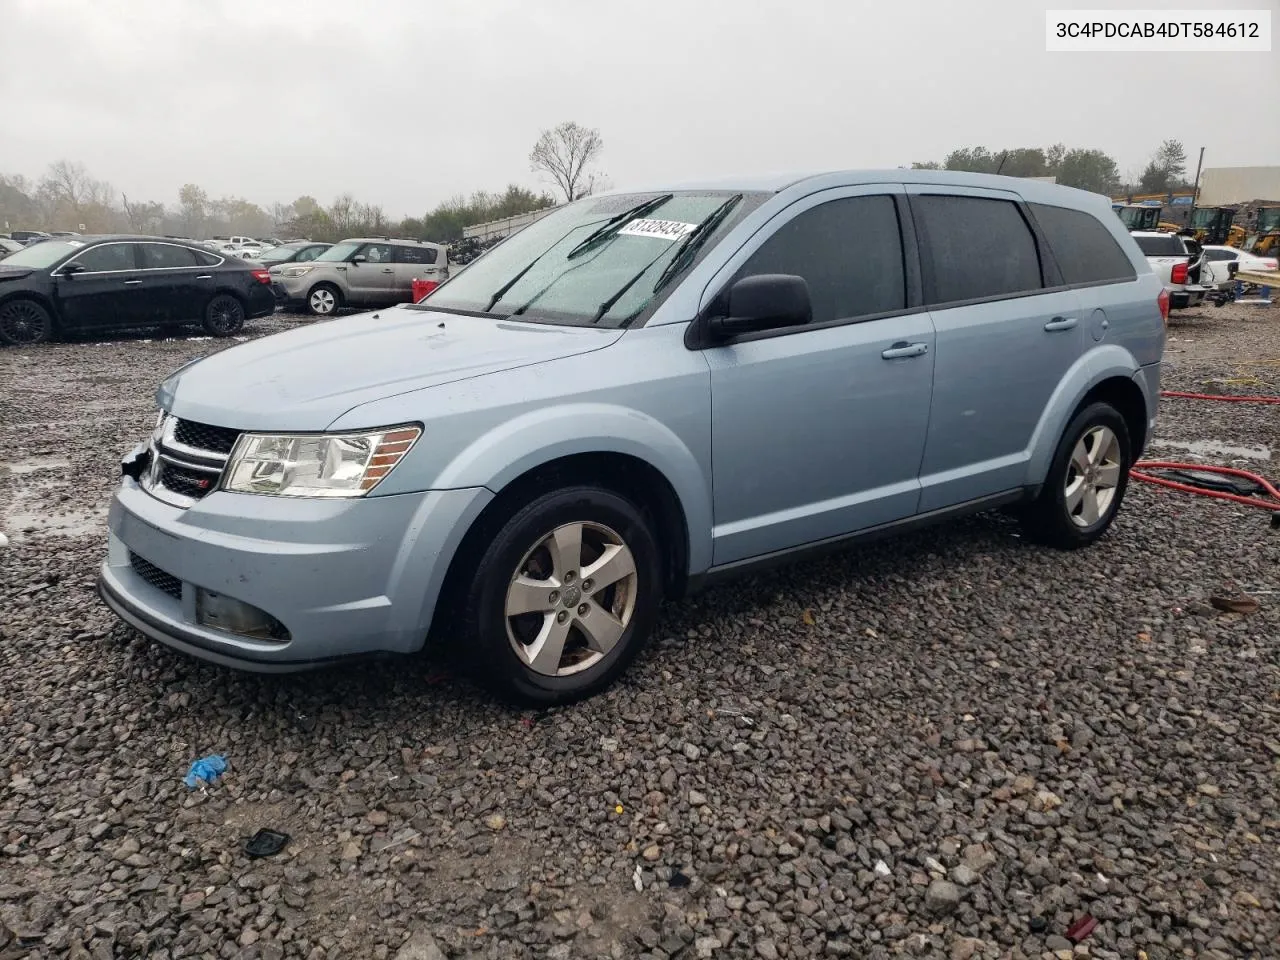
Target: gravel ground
[(950, 745)]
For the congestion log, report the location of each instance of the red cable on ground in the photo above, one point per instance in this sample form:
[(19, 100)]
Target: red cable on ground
[(1211, 396), (1137, 472)]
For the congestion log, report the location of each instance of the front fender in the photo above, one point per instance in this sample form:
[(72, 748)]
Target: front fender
[(517, 446), (1102, 363)]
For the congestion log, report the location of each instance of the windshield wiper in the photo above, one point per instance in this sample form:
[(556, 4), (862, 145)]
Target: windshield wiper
[(687, 246), (690, 244), (611, 227)]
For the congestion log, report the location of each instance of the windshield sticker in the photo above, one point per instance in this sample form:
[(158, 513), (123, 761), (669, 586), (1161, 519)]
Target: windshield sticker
[(74, 243), (662, 229)]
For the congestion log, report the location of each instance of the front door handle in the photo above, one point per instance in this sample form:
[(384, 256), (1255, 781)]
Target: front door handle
[(900, 350), (205, 276), (388, 270), (129, 283), (1060, 323)]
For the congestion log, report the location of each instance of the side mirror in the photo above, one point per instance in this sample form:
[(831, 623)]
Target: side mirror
[(766, 302), (71, 269), (359, 258)]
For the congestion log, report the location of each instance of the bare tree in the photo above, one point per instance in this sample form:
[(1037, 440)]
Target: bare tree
[(564, 153), (144, 217), (193, 201)]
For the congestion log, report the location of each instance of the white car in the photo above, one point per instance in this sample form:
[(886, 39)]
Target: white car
[(1177, 261), (1217, 259)]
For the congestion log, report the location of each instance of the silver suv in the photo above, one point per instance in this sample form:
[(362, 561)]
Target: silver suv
[(634, 395), (360, 272)]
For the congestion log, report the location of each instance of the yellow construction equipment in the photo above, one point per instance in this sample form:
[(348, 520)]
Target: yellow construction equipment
[(1264, 237), (1213, 225)]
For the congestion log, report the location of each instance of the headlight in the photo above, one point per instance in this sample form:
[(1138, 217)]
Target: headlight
[(296, 271), (317, 465)]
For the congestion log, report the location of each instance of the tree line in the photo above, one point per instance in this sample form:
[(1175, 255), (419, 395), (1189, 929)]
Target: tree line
[(69, 197), (1086, 169)]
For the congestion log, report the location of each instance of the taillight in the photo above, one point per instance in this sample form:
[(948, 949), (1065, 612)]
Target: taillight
[(1179, 274), (1163, 302), (262, 276)]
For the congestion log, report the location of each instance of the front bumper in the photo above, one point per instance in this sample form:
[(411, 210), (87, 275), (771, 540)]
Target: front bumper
[(345, 578)]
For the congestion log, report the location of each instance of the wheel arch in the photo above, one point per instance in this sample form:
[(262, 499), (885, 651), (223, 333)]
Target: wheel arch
[(1104, 374), (39, 298)]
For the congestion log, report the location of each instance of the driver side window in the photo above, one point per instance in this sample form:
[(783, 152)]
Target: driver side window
[(848, 250), (107, 257)]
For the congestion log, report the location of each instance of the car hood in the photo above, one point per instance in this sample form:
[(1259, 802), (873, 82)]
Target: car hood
[(305, 379)]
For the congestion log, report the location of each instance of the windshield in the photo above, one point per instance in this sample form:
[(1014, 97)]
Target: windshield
[(341, 251), (1269, 220), (576, 267), (1168, 246), (44, 254), (282, 251)]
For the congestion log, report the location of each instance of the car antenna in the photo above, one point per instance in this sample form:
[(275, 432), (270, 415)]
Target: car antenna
[(1003, 157)]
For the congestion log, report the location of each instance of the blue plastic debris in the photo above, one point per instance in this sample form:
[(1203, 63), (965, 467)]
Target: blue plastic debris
[(205, 770)]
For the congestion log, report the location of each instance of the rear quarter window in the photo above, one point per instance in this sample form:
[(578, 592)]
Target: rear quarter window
[(1085, 250)]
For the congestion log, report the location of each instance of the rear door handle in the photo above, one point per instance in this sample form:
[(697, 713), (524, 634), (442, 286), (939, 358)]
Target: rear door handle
[(129, 283), (900, 350), (1060, 323), (388, 270), (205, 276)]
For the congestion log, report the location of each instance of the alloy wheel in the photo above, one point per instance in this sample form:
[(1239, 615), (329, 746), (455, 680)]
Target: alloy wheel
[(571, 598), (22, 323), (1093, 475), (225, 316), (323, 301)]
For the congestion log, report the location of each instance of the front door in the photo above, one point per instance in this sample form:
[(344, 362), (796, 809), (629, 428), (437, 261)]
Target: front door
[(107, 290), (818, 431), (373, 279), (1007, 330)]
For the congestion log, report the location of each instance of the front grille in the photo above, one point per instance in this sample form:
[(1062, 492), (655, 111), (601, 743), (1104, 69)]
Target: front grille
[(187, 460), (185, 481), (148, 571), (204, 437)]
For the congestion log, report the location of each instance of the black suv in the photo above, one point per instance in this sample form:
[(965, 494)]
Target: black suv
[(93, 283)]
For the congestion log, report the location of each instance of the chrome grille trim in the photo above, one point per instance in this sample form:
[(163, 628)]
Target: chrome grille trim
[(165, 450)]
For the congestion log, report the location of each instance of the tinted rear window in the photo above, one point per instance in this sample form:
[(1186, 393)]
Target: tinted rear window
[(1169, 246), (974, 247), (1085, 250)]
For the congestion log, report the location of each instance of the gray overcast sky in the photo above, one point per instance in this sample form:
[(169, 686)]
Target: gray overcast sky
[(406, 102)]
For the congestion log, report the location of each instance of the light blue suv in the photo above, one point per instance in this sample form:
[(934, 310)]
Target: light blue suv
[(637, 393)]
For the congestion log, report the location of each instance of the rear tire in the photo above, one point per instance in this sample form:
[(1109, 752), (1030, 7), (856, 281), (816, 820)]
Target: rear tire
[(324, 300), (563, 598), (24, 323), (224, 316), (1086, 482)]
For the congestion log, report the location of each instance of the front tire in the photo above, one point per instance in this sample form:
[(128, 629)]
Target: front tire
[(564, 597), (224, 316), (324, 300), (1086, 482), (24, 323)]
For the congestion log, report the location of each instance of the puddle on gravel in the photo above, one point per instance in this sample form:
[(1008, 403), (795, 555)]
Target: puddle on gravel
[(33, 465), (1215, 448), (29, 516)]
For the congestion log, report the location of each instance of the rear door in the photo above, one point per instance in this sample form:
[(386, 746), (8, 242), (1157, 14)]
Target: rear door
[(1008, 331), (107, 292), (178, 285), (416, 263)]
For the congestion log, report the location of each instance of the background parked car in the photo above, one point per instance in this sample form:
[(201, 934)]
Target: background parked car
[(8, 246), (303, 251), (362, 271), (26, 236), (59, 286), (1218, 257), (1179, 262)]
